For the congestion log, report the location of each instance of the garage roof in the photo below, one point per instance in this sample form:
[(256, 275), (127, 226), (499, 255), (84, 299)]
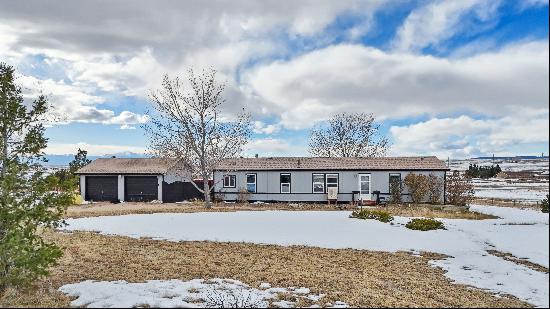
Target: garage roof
[(155, 166), (317, 163)]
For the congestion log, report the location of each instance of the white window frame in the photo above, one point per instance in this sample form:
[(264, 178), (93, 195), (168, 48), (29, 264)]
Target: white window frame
[(230, 177), (327, 185), (250, 183), (317, 182), (285, 183)]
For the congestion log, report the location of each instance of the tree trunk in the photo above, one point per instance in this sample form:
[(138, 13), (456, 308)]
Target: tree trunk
[(206, 188)]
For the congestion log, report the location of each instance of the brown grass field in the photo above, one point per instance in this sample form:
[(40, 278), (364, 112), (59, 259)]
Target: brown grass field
[(108, 209), (360, 278)]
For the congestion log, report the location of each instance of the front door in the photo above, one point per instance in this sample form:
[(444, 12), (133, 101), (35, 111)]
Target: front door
[(364, 187)]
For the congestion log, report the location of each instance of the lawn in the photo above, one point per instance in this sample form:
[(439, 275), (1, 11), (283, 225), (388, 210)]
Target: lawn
[(359, 278), (359, 262)]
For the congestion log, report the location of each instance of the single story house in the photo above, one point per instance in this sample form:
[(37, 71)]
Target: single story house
[(135, 179), (312, 179)]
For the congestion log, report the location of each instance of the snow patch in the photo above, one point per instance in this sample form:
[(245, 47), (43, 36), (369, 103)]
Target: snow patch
[(523, 233), (197, 293)]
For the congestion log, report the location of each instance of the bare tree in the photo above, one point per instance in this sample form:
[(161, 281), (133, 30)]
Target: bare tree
[(348, 135), (187, 125), (460, 189)]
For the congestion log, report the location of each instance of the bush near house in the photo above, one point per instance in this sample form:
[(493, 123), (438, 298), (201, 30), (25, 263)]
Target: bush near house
[(395, 192), (460, 189), (243, 196), (435, 188), (379, 215), (425, 225), (544, 204), (418, 186)]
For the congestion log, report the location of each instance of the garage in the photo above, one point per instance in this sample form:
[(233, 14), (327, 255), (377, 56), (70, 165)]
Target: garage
[(140, 188), (136, 180), (101, 188)]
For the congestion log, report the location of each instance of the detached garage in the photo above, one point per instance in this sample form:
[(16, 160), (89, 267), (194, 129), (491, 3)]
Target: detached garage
[(135, 180)]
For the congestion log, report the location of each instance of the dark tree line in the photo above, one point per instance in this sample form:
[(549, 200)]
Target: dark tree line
[(484, 171)]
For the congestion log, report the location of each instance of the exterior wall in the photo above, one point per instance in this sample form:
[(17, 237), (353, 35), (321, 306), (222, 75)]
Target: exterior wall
[(121, 188), (268, 185), (83, 186)]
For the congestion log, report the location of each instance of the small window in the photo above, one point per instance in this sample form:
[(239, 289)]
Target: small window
[(332, 181), (285, 183), (229, 181), (251, 183), (395, 178), (318, 183)]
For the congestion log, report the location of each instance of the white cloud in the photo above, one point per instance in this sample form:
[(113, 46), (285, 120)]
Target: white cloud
[(93, 149), (465, 137), (262, 128), (354, 78), (273, 147), (440, 20)]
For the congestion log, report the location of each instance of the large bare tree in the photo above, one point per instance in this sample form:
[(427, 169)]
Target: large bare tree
[(187, 125), (348, 135)]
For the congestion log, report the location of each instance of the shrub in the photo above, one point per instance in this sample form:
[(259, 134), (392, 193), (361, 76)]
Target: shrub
[(395, 192), (460, 189), (544, 204), (243, 195), (425, 225), (418, 186), (379, 215), (435, 188)]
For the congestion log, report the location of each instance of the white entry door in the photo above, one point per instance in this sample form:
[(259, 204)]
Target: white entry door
[(365, 192)]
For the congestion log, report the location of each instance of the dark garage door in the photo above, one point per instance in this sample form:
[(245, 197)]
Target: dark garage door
[(141, 188), (101, 188)]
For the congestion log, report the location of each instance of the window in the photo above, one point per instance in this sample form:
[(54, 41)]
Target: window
[(251, 183), (229, 181), (332, 181), (285, 183), (395, 178), (318, 183)]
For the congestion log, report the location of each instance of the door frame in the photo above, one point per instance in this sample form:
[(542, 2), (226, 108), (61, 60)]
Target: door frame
[(364, 196)]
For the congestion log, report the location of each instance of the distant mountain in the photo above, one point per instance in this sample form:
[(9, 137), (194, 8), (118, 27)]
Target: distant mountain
[(64, 160)]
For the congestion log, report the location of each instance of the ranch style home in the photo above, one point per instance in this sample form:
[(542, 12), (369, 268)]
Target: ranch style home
[(313, 179), (274, 179)]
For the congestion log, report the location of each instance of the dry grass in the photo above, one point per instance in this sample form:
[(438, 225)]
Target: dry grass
[(360, 278), (510, 257), (506, 203), (108, 209), (433, 211)]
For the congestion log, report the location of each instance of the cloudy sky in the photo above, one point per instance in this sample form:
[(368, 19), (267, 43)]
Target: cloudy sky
[(457, 78)]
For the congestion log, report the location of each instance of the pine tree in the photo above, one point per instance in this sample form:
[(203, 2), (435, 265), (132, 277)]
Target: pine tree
[(27, 203), (80, 160)]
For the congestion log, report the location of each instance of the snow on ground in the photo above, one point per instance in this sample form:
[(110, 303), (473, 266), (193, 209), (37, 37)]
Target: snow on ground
[(466, 241), (511, 165), (511, 189), (197, 293)]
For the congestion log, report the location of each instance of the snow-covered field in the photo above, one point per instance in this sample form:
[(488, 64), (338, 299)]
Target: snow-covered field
[(511, 189), (533, 190), (511, 165), (198, 293), (523, 233)]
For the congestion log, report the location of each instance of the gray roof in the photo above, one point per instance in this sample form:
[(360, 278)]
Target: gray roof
[(156, 166), (316, 163)]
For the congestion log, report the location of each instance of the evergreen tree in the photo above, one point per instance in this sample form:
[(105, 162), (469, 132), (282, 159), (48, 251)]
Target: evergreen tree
[(80, 160), (27, 202)]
